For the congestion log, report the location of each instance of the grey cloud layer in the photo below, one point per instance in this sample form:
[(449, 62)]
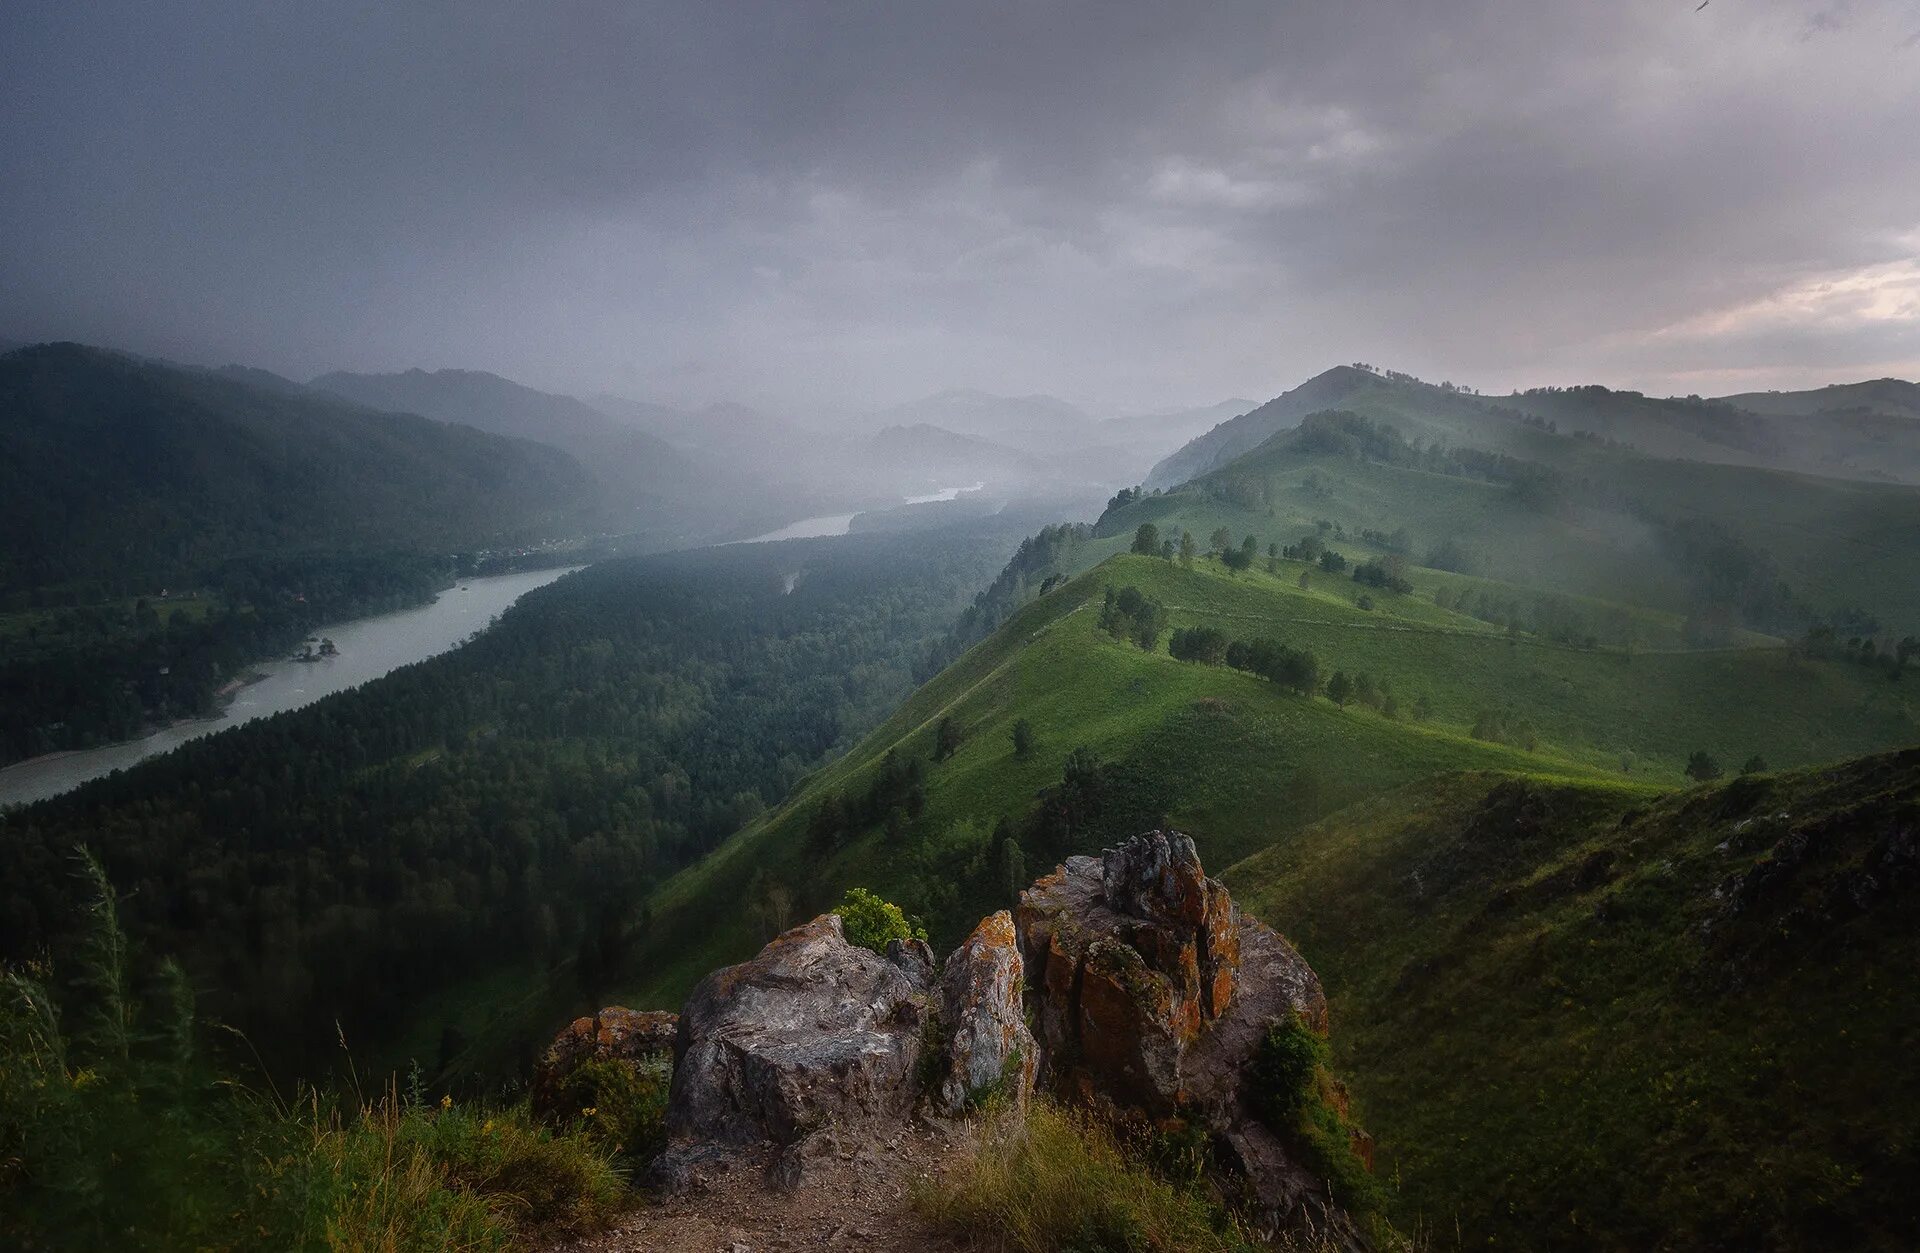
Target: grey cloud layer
[(845, 205)]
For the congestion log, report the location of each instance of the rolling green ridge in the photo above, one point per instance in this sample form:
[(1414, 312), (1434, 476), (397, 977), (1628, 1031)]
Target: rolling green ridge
[(1574, 1018), (1236, 760), (1548, 1049), (1569, 514)]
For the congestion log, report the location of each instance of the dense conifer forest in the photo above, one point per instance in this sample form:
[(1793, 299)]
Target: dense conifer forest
[(513, 800)]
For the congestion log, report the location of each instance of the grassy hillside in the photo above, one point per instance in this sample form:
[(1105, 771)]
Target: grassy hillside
[(1578, 1005), (1890, 397), (1233, 758), (1576, 1019), (1572, 515)]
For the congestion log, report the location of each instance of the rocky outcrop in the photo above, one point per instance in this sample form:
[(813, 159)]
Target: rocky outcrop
[(812, 1031), (986, 1046), (614, 1034), (1150, 995), (1151, 992)]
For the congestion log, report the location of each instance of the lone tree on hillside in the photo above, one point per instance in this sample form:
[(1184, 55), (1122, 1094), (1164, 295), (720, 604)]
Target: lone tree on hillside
[(1187, 547), (1146, 540), (1755, 764), (946, 739), (1220, 540), (1023, 739), (1340, 688), (1702, 767)]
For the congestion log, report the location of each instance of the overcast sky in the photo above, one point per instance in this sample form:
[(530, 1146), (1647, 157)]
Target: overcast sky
[(821, 205)]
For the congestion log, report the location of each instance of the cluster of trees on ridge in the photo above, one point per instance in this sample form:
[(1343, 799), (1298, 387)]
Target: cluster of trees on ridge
[(1386, 573), (1731, 582)]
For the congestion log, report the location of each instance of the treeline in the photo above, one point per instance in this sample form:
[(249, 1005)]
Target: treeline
[(1295, 669), (507, 801), (1824, 643)]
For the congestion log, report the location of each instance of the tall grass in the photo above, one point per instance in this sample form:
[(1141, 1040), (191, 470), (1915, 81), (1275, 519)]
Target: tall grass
[(116, 1132), (1059, 1180)]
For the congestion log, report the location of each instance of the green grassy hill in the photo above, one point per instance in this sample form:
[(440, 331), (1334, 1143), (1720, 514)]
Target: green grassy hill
[(1235, 759), (1570, 515), (1576, 1019), (1549, 1046)]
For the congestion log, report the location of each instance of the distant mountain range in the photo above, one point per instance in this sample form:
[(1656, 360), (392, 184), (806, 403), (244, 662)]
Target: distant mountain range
[(1859, 431), (113, 468)]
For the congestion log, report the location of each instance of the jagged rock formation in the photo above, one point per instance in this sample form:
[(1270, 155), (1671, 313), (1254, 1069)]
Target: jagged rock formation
[(815, 1034), (1151, 992), (988, 1048), (613, 1034)]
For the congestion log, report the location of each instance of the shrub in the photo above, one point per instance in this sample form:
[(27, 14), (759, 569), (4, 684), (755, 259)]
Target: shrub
[(629, 1104), (1702, 768), (1296, 1094), (1059, 1180), (871, 922), (1382, 574)]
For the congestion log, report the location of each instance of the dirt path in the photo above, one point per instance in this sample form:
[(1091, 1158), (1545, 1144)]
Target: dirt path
[(858, 1195)]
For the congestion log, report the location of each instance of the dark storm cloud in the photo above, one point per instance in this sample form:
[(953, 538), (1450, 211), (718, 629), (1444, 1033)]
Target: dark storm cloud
[(844, 205)]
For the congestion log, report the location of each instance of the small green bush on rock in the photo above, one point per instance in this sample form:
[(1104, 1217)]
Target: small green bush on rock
[(1296, 1094), (871, 922)]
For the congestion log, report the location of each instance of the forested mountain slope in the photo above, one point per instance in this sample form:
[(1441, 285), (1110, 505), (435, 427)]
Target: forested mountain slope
[(125, 476), (651, 487), (501, 810)]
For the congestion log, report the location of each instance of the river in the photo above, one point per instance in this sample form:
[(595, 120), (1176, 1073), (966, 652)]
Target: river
[(369, 648), (842, 523)]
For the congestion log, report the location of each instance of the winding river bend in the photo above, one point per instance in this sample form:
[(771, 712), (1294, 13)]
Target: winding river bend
[(369, 648)]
